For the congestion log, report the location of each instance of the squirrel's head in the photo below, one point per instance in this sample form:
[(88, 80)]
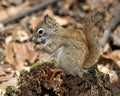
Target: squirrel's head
[(45, 29)]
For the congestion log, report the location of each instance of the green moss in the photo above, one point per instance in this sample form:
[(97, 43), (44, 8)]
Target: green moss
[(23, 79), (99, 78), (39, 63), (107, 93), (23, 73), (118, 95), (11, 91)]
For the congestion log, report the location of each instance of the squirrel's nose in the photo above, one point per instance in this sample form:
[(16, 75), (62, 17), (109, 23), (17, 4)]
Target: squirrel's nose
[(39, 40)]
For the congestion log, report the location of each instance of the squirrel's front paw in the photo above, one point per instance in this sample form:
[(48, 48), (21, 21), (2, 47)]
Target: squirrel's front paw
[(38, 47)]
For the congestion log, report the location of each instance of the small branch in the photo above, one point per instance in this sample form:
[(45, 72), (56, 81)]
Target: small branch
[(28, 11), (8, 27), (112, 25)]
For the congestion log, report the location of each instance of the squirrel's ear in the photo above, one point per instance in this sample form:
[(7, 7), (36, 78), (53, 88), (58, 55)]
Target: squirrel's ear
[(48, 20)]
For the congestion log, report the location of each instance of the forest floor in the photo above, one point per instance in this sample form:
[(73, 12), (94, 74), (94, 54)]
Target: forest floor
[(18, 19)]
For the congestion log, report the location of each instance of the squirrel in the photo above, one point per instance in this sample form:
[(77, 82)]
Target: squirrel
[(74, 51)]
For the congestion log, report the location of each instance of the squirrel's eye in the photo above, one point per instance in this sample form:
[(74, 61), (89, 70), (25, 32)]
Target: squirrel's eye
[(40, 31)]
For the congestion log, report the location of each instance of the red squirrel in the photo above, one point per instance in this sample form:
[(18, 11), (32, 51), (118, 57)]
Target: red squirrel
[(73, 50)]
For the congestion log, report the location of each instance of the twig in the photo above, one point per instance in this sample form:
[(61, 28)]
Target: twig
[(28, 11), (112, 25), (8, 27)]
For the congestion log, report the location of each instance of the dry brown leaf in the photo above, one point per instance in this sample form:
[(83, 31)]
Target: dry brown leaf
[(2, 71), (31, 53), (49, 11), (21, 36), (114, 55), (116, 37), (118, 63), (3, 14), (12, 81), (8, 40), (108, 66), (13, 28), (113, 75), (68, 3), (35, 20), (106, 48), (5, 78), (68, 20), (17, 34), (9, 54), (17, 9), (12, 10), (18, 53), (4, 2), (61, 21)]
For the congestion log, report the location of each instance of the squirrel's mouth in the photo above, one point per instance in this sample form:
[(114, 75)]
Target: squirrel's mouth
[(43, 41), (38, 43)]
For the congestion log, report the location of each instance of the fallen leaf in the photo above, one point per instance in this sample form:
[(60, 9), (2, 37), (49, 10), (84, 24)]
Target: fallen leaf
[(3, 14), (21, 36), (18, 53), (12, 10), (5, 78), (116, 37), (61, 21), (34, 20), (114, 55), (106, 48), (11, 82), (108, 66), (2, 71), (68, 3), (112, 73)]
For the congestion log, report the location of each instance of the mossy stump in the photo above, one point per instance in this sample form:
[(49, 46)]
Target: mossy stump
[(46, 80)]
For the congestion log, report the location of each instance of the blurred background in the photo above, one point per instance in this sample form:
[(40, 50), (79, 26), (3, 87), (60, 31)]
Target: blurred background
[(18, 19)]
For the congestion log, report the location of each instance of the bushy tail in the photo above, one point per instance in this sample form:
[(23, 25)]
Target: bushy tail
[(92, 39)]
